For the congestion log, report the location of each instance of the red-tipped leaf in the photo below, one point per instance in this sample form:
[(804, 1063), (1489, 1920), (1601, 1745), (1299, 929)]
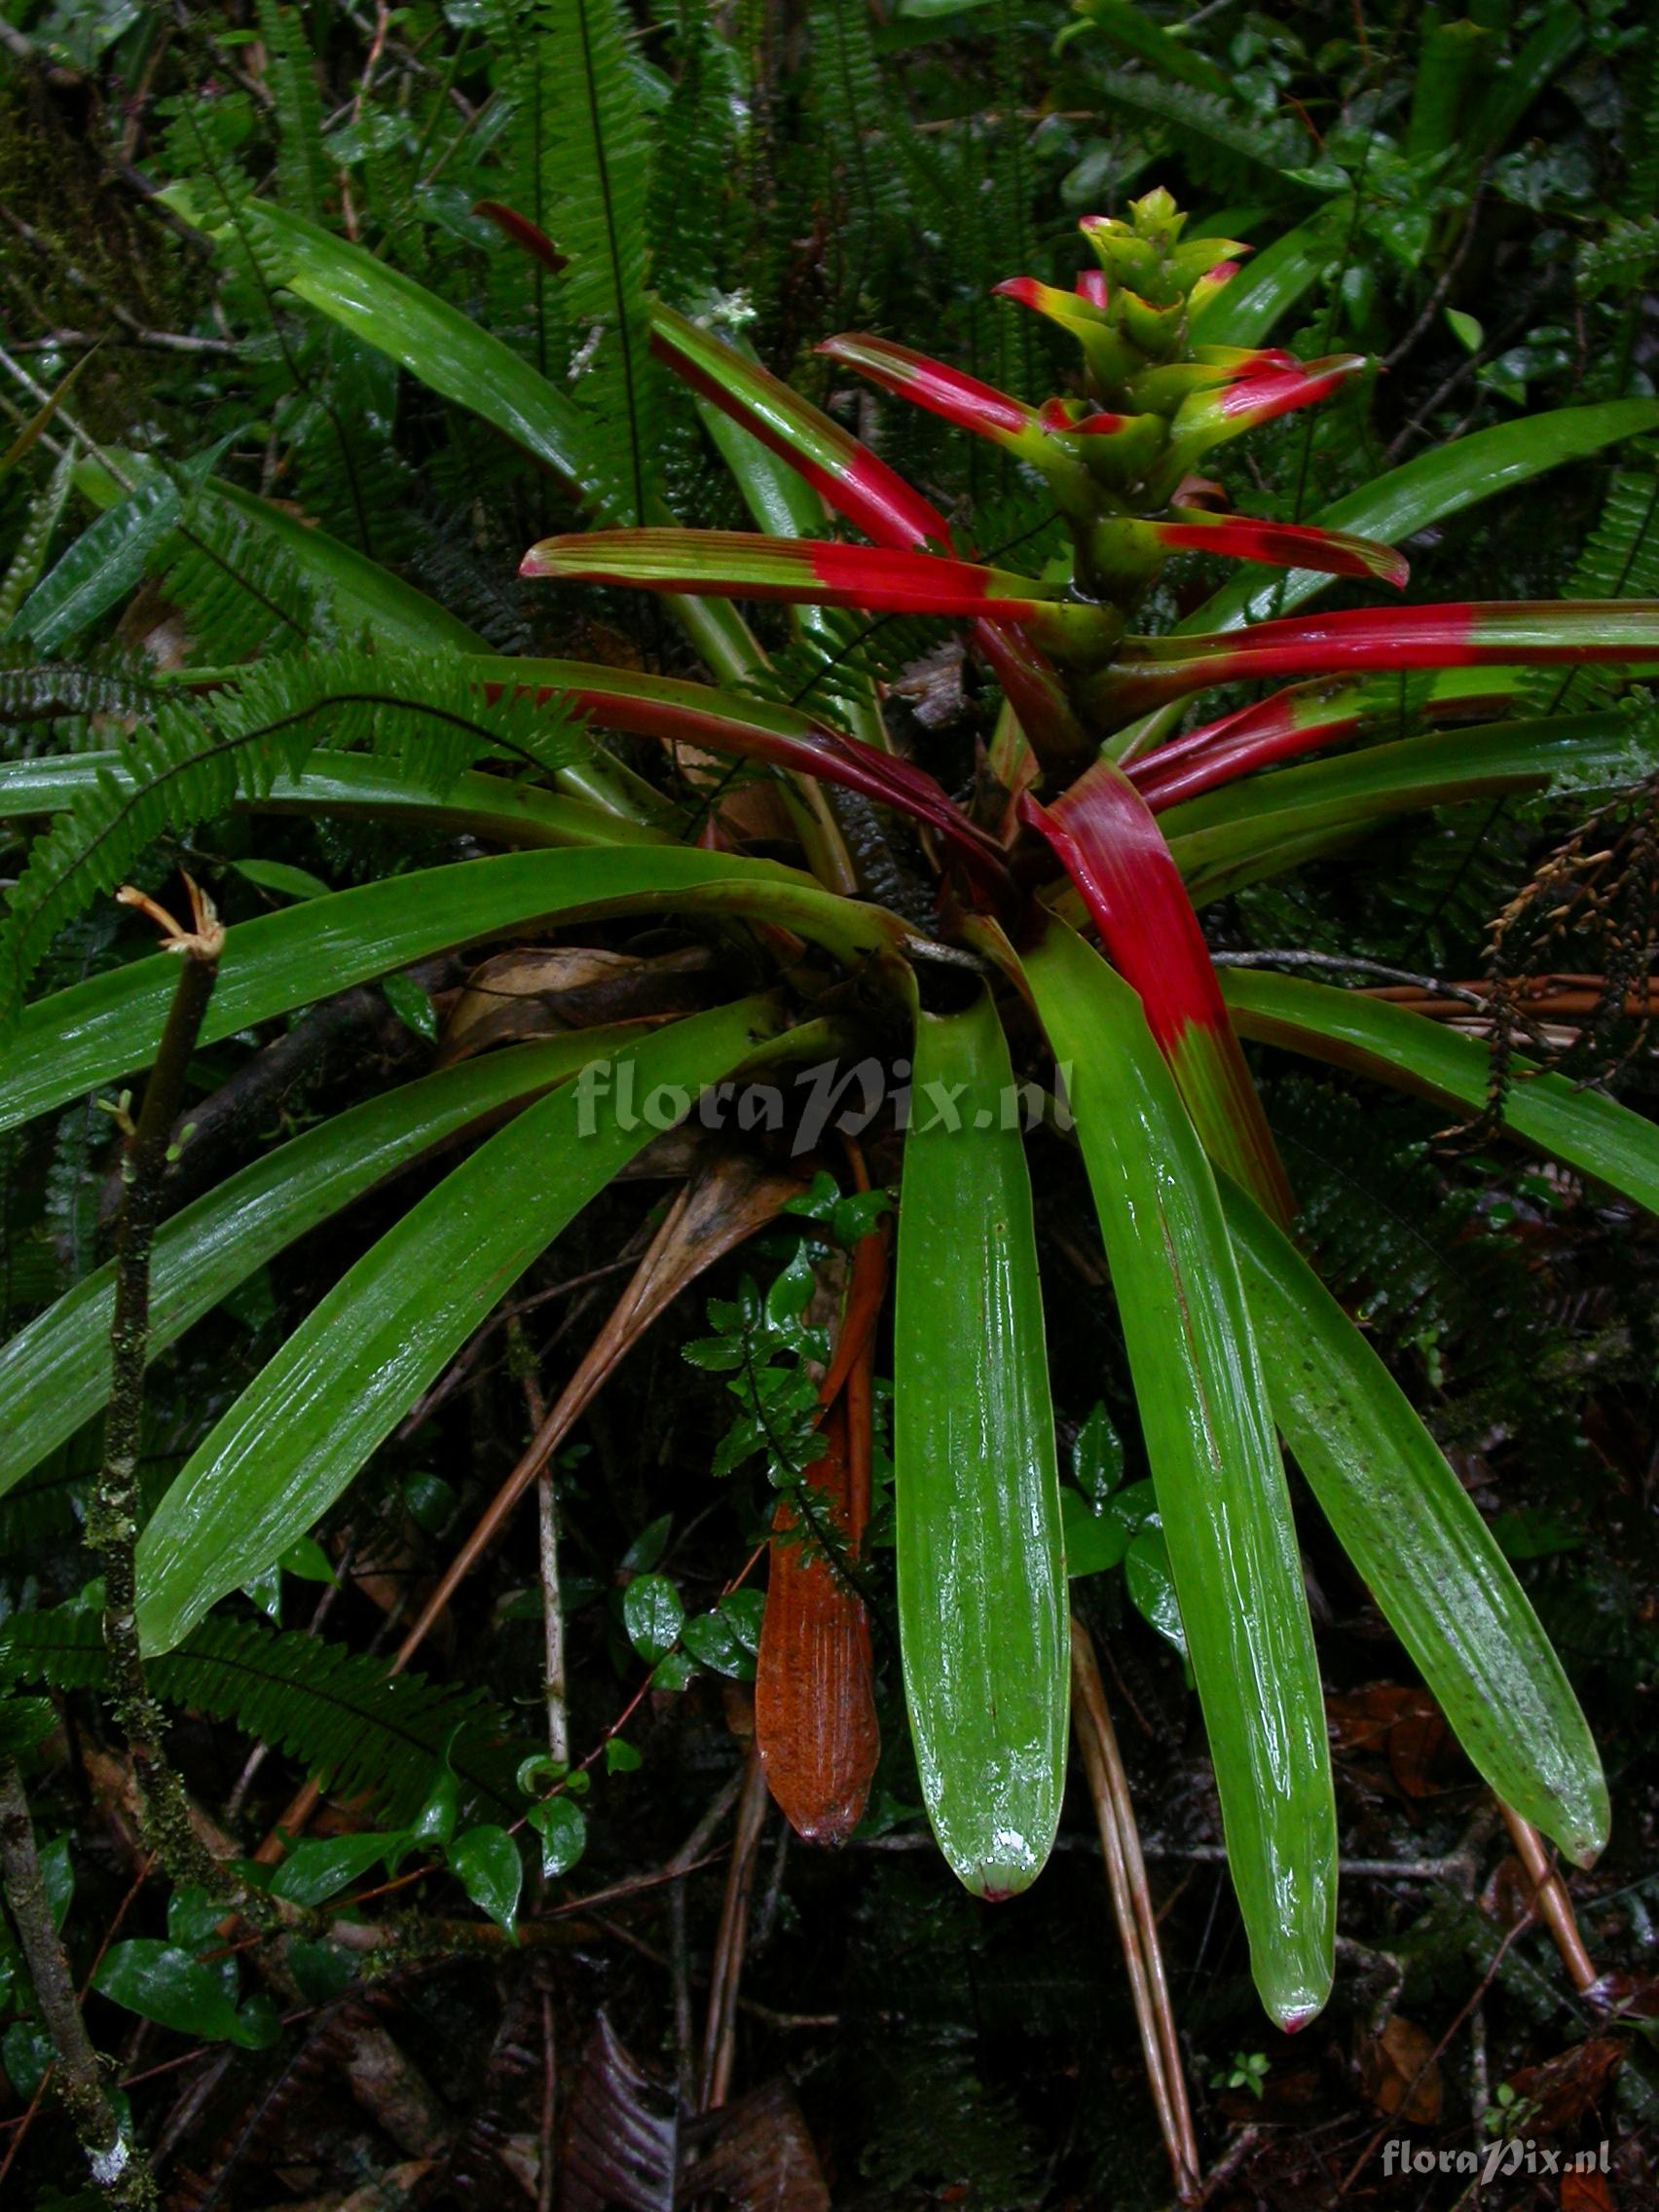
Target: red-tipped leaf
[(942, 390), (1104, 837), (681, 712), (1528, 633), (849, 478), (1302, 719), (818, 571)]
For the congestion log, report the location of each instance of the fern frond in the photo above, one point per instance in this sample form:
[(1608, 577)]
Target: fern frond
[(34, 541), (865, 184), (1620, 260), (290, 72), (337, 1712), (239, 590), (44, 691), (599, 220), (694, 210), (527, 303), (1620, 560), (1221, 147), (195, 758)]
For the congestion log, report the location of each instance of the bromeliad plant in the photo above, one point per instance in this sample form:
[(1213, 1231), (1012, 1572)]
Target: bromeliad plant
[(1102, 820)]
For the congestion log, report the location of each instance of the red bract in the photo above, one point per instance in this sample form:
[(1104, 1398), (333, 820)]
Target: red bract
[(1104, 837)]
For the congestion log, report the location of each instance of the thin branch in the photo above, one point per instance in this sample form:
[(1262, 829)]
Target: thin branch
[(113, 1520), (118, 2165), (1132, 1904)]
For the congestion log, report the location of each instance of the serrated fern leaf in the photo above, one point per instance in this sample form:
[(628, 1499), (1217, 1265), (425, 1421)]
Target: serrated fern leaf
[(1222, 147), (194, 758), (600, 222), (1621, 560), (865, 185), (239, 591), (290, 72), (692, 203), (34, 541), (48, 691), (337, 1712)]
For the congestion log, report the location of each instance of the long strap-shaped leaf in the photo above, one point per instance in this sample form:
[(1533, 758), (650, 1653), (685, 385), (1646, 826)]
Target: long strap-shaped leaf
[(54, 1374), (1221, 839), (109, 1025), (296, 1437), (980, 1563), (1300, 719), (360, 784), (1106, 839), (861, 487), (1410, 1528), (455, 358), (817, 571), (751, 729), (1587, 1131), (1529, 632), (1215, 1463)]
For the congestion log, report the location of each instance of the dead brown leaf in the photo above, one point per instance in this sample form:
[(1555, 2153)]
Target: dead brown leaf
[(1398, 2074)]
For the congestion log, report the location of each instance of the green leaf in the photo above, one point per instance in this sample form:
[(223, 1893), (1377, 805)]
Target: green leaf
[(1429, 488), (1220, 1484), (648, 1545), (308, 1560), (1243, 830), (486, 1862), (1465, 329), (982, 1623), (430, 1501), (1413, 1533), (1589, 1131), (321, 1972), (744, 1610), (620, 1757), (652, 1615), (24, 1723), (454, 356), (563, 1830), (278, 875), (106, 562), (713, 1642), (435, 1822), (1098, 1456), (54, 1374), (288, 1447), (1245, 312), (322, 1866), (1151, 1584), (58, 1874), (112, 1023), (163, 1983), (1093, 1541), (412, 1006), (1128, 26), (672, 1672)]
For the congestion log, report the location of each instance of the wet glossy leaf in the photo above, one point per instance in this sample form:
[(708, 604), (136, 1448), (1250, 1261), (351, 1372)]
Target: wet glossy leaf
[(652, 1615), (321, 1866), (563, 1830), (980, 1557), (486, 1862)]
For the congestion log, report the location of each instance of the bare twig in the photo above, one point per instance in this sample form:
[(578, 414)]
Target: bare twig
[(118, 2165), (1132, 1904), (720, 2040), (112, 1523), (1554, 1906)]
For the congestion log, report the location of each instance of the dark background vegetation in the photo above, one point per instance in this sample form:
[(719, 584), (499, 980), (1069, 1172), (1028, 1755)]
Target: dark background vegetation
[(844, 166)]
